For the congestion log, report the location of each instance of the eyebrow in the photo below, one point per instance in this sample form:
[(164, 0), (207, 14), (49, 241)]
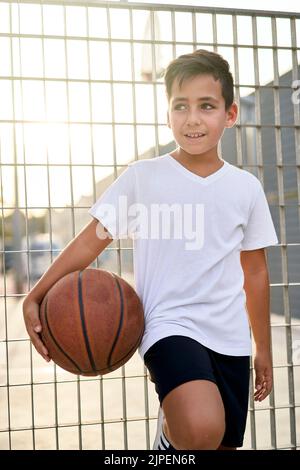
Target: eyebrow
[(203, 98)]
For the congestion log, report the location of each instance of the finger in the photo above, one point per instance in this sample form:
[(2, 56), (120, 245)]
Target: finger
[(32, 325), (34, 328), (264, 392), (260, 387), (267, 385), (259, 380), (260, 398), (260, 392), (260, 395), (39, 346), (37, 327)]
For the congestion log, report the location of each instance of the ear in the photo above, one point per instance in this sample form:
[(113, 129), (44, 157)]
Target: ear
[(232, 114)]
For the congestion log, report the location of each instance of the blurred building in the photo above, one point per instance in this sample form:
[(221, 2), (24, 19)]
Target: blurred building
[(272, 178)]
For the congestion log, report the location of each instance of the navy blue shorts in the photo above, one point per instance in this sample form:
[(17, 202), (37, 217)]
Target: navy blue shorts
[(175, 360)]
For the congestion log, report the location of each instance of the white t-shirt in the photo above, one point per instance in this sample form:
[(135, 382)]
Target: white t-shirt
[(187, 234)]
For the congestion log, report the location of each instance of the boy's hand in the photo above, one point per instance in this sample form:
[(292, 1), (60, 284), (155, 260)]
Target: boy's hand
[(33, 325), (263, 375)]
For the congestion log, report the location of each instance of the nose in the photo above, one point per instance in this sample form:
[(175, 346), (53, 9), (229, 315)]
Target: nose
[(193, 117)]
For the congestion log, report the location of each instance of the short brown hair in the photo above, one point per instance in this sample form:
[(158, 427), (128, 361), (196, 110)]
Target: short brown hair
[(200, 62)]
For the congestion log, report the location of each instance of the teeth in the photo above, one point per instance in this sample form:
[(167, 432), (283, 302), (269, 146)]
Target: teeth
[(194, 135)]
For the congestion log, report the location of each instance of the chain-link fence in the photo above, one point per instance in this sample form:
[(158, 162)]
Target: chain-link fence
[(81, 96)]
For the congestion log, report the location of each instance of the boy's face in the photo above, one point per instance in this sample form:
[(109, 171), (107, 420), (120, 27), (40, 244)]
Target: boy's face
[(197, 115)]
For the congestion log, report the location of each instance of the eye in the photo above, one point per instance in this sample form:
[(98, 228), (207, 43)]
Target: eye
[(180, 107), (207, 106)]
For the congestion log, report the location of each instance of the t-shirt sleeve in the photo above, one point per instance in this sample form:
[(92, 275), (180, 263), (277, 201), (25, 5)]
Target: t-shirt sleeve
[(111, 208), (259, 230)]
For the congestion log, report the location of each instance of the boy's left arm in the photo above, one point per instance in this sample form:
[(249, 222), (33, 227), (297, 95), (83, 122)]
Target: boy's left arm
[(256, 286)]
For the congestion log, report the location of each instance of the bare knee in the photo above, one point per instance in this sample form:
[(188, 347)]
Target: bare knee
[(195, 416), (207, 435)]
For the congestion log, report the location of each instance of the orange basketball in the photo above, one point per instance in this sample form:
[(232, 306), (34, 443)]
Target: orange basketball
[(92, 322)]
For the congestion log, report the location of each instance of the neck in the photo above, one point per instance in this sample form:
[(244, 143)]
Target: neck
[(207, 159)]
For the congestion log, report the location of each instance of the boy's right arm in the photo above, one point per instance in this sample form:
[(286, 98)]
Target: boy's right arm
[(77, 255)]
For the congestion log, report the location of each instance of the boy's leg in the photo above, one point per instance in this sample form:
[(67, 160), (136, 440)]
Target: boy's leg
[(194, 416), (194, 386), (182, 372)]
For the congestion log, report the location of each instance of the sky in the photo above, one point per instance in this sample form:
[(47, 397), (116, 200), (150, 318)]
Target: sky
[(274, 5)]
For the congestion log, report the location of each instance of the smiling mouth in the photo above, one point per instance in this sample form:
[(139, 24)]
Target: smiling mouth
[(194, 135)]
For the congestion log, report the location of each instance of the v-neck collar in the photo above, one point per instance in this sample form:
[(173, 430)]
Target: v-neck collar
[(200, 179)]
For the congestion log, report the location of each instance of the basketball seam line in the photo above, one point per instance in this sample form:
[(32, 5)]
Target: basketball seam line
[(129, 352), (55, 341), (121, 359), (109, 365), (85, 334)]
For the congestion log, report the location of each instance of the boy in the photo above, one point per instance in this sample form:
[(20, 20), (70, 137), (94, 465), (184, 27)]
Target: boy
[(196, 294)]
